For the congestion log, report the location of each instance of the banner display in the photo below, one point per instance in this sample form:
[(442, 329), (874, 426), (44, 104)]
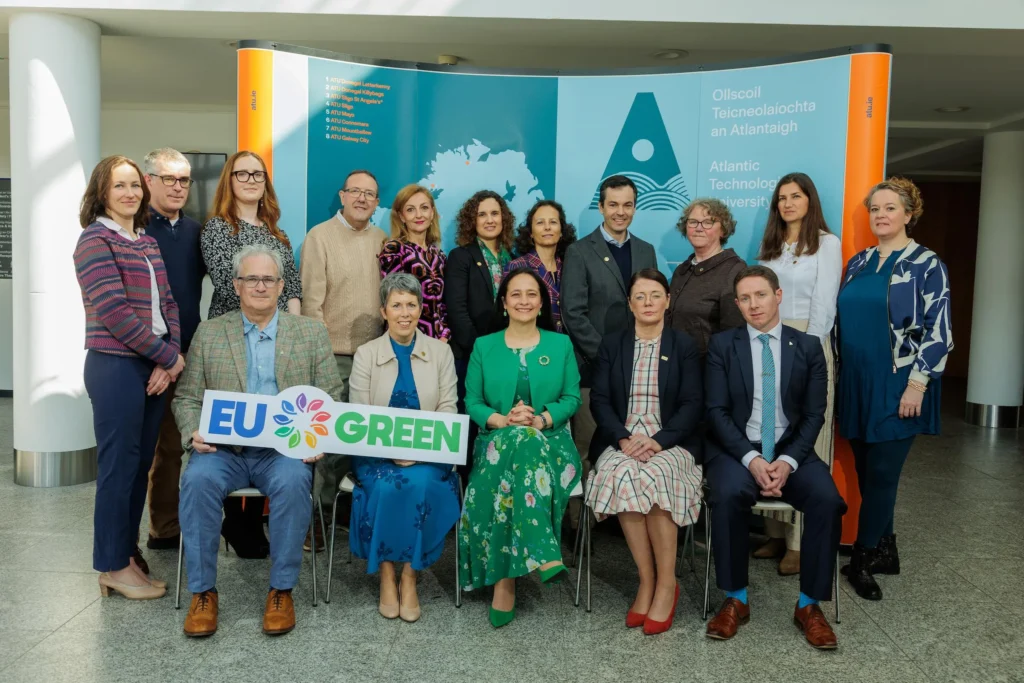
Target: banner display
[(301, 422), (721, 132)]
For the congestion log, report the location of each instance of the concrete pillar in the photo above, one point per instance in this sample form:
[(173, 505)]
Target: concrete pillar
[(995, 381), (55, 143)]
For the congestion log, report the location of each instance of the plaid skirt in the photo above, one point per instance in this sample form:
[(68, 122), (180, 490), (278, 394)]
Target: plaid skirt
[(670, 480)]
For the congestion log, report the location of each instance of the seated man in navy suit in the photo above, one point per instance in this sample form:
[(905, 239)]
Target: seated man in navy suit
[(766, 387)]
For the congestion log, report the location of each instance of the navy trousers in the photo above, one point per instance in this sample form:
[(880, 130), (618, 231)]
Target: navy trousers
[(809, 489), (127, 424)]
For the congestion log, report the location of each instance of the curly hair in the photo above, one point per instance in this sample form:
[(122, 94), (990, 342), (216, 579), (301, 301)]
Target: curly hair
[(224, 206), (94, 200), (718, 210), (398, 229), (524, 235), (909, 196), (465, 220)]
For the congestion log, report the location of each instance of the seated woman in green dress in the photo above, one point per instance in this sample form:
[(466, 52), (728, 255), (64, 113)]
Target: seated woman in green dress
[(522, 386)]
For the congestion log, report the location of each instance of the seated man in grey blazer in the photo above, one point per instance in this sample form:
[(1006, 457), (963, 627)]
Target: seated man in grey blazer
[(595, 276)]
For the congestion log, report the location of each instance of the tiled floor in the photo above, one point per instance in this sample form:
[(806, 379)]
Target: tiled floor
[(953, 615)]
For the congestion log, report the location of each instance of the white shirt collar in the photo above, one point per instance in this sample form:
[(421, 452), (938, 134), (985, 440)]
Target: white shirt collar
[(348, 225), (775, 332), (111, 224), (609, 238)]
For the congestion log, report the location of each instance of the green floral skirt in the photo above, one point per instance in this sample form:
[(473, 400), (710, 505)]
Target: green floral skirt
[(517, 494)]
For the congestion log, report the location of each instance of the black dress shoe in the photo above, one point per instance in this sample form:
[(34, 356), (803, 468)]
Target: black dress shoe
[(887, 558), (170, 543), (140, 560), (859, 573)]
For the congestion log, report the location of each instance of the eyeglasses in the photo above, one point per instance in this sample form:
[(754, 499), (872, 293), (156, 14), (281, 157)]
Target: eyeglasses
[(244, 176), (641, 297), (355, 192), (251, 281), (170, 180), (707, 223)]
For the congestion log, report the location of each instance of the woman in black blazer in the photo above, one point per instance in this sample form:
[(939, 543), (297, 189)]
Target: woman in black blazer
[(474, 272), (647, 398)]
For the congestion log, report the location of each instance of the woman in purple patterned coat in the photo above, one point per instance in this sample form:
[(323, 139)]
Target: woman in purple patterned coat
[(541, 243), (415, 248)]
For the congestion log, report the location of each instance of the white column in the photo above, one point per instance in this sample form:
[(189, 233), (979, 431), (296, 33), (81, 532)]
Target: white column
[(55, 143), (995, 381)]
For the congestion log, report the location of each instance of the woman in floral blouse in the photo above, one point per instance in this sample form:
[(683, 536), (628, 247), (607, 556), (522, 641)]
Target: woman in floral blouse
[(541, 243), (522, 387), (245, 212), (415, 248)]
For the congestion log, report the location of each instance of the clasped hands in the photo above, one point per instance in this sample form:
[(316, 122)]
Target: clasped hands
[(522, 415), (161, 378), (199, 445), (770, 476), (639, 447)]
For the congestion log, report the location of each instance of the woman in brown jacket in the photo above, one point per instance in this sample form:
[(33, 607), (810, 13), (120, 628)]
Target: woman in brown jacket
[(703, 302)]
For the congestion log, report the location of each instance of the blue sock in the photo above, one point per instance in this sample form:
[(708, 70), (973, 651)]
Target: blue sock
[(804, 601), (740, 595)]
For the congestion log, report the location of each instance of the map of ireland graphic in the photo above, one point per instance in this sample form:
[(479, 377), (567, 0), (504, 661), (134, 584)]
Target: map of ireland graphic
[(644, 154)]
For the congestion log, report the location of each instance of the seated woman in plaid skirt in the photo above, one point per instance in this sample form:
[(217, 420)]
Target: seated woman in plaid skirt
[(647, 400)]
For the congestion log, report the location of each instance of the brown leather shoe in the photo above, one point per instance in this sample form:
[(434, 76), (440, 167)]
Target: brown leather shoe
[(773, 547), (815, 627), (790, 563), (730, 617), (279, 616), (202, 615), (307, 545)]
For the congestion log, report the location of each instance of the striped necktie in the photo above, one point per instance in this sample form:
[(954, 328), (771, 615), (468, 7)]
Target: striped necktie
[(767, 399)]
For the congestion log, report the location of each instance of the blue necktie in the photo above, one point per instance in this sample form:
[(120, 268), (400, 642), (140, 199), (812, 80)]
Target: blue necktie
[(767, 399)]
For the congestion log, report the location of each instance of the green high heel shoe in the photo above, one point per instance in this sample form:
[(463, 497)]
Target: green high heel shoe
[(555, 574), (500, 618)]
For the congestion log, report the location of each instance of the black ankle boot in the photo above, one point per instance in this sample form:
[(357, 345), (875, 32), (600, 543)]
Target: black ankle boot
[(887, 560), (243, 529), (859, 573)]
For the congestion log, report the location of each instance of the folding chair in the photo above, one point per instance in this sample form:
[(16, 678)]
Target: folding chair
[(759, 506), (248, 493), (347, 485)]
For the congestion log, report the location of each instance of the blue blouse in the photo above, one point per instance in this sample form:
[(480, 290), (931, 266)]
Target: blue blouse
[(404, 394)]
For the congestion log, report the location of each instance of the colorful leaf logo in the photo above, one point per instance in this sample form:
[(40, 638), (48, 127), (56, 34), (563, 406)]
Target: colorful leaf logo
[(315, 426)]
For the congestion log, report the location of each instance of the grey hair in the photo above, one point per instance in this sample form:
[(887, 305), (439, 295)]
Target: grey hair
[(256, 250), (400, 282), (162, 154)]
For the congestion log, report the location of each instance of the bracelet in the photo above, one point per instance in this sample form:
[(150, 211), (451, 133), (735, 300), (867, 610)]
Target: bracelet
[(914, 384), (547, 420)]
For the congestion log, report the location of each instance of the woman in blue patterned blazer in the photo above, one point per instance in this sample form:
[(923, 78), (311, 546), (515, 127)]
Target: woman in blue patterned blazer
[(889, 377)]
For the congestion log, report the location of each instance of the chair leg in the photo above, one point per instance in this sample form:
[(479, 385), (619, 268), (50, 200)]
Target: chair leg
[(836, 587), (312, 544), (579, 567), (458, 534), (707, 566), (181, 553), (693, 550), (576, 548), (330, 550), (590, 545)]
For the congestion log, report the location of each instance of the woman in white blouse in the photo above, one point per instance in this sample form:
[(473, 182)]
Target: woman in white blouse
[(808, 259)]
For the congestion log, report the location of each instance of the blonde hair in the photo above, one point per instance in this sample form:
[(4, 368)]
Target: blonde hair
[(909, 196), (399, 231)]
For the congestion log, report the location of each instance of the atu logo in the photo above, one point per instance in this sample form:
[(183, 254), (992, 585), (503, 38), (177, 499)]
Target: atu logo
[(644, 154), (309, 414)]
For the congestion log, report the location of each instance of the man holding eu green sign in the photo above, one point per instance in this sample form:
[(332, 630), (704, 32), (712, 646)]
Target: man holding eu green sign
[(256, 350)]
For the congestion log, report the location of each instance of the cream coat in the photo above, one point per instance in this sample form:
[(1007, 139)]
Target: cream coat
[(375, 371)]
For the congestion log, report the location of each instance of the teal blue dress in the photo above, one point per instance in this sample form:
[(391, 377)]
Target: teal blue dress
[(402, 514), (870, 386)]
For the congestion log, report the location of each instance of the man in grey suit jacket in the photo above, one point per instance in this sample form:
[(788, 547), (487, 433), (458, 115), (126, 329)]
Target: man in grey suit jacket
[(594, 291)]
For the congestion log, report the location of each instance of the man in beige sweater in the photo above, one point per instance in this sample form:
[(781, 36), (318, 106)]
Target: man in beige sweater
[(340, 281)]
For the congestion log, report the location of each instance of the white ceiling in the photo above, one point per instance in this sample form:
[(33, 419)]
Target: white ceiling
[(181, 59)]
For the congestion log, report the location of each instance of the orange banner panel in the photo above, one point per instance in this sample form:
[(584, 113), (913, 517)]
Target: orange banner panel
[(255, 104)]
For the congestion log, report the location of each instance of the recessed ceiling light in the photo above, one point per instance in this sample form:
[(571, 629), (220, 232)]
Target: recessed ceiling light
[(671, 54), (951, 110)]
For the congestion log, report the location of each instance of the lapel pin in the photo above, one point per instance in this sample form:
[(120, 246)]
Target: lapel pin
[(423, 354), (607, 258), (790, 343), (664, 357), (478, 263), (543, 360)]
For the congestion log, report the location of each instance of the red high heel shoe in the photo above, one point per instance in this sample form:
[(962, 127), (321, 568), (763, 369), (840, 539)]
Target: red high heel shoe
[(635, 619), (653, 628)]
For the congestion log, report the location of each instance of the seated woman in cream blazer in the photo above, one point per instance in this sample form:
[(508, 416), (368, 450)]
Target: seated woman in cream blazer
[(402, 511)]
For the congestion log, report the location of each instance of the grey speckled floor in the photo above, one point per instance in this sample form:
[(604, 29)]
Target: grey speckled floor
[(953, 615)]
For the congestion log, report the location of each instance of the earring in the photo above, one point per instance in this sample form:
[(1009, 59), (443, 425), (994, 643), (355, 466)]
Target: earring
[(505, 313)]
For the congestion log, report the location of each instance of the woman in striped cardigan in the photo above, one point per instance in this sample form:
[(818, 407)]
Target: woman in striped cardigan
[(133, 341)]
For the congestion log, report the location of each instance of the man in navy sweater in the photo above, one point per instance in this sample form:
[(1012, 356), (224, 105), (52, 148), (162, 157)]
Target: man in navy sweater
[(168, 175)]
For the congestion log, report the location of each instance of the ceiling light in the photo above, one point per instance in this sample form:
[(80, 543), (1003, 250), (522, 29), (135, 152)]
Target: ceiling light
[(671, 54), (951, 110), (231, 43), (447, 60)]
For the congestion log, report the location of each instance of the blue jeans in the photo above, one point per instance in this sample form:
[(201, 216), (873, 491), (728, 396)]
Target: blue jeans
[(126, 423), (210, 477)]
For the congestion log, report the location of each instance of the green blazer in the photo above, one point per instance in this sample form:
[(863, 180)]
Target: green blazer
[(217, 360), (494, 371)]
